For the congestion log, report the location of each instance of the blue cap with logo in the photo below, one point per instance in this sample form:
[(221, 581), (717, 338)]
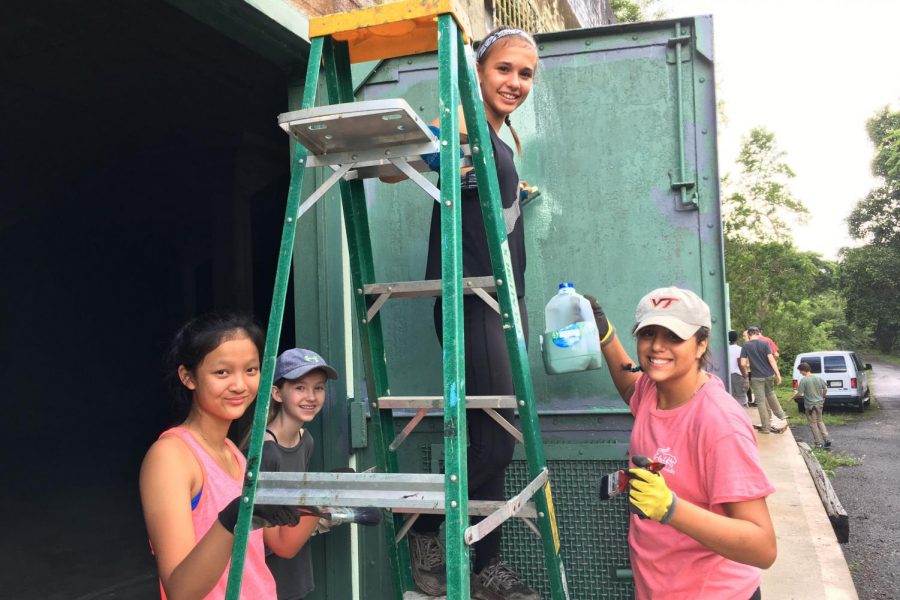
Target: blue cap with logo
[(297, 362)]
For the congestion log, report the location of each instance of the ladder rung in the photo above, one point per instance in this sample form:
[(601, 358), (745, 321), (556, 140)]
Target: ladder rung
[(428, 287), (399, 492), (437, 402)]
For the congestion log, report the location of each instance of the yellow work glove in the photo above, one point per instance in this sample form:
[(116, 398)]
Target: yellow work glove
[(650, 497)]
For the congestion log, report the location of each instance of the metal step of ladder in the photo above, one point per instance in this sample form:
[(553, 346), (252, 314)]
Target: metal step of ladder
[(385, 138)]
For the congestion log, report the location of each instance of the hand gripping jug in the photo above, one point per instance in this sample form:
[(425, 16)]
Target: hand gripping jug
[(571, 342)]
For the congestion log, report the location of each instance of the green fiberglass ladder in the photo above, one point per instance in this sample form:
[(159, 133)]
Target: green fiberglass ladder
[(360, 140)]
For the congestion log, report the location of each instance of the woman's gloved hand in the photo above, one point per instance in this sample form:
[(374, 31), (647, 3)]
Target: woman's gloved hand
[(264, 515), (650, 497), (604, 327)]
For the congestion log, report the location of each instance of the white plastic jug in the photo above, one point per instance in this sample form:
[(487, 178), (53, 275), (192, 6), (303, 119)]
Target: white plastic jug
[(571, 342)]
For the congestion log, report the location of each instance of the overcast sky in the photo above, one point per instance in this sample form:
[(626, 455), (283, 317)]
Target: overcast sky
[(812, 72)]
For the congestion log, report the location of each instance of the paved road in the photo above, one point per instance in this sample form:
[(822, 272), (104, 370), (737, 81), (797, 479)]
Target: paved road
[(870, 492)]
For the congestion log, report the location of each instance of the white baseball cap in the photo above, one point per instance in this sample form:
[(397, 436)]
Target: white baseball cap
[(680, 311)]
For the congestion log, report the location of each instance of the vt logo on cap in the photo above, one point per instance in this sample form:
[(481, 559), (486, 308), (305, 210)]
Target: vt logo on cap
[(665, 302)]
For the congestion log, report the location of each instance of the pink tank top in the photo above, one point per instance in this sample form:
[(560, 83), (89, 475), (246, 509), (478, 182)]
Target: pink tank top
[(220, 488)]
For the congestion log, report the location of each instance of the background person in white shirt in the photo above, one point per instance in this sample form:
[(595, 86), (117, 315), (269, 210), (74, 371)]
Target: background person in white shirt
[(740, 382)]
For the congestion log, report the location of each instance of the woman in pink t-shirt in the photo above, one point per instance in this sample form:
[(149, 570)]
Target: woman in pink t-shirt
[(701, 528), (191, 478)]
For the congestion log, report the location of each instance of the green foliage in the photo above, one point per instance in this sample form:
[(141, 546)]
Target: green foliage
[(764, 275), (870, 283), (829, 312), (884, 131), (870, 275), (632, 11), (772, 283), (831, 417), (876, 217), (830, 461), (785, 291), (762, 204)]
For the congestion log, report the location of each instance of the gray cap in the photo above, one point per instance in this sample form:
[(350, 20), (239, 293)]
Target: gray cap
[(297, 362)]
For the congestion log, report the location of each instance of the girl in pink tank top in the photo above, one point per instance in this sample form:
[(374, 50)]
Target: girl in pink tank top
[(191, 477)]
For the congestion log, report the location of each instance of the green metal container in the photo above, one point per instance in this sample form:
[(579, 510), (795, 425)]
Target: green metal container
[(619, 134)]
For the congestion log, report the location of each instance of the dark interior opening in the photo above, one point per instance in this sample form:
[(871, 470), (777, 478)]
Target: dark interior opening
[(143, 181)]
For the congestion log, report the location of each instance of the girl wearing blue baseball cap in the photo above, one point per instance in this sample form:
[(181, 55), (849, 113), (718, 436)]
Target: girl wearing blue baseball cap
[(298, 394), (701, 527)]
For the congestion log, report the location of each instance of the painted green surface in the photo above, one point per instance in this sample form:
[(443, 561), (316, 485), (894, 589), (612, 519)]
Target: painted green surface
[(495, 227), (600, 139), (600, 135)]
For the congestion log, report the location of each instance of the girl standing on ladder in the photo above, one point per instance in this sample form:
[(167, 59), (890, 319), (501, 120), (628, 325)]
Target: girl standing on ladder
[(506, 62), (192, 476)]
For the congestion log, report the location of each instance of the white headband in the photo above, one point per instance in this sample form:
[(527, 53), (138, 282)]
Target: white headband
[(489, 41)]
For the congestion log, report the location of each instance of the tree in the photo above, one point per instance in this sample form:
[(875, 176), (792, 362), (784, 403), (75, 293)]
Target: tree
[(876, 218), (870, 275), (772, 283), (762, 204), (632, 11), (870, 282), (884, 131), (763, 276)]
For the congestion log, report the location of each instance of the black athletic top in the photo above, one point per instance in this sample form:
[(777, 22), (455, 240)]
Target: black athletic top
[(475, 254), (293, 576)]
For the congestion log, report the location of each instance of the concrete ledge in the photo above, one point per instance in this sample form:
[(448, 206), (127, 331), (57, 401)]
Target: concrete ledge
[(810, 562)]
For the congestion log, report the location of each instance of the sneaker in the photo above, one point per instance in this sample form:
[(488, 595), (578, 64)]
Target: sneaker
[(429, 565), (764, 430), (498, 581), (827, 445)]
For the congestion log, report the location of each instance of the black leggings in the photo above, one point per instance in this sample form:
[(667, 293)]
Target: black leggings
[(488, 371)]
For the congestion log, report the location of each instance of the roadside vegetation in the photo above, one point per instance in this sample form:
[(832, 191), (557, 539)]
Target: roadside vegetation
[(839, 416), (832, 460), (800, 299), (872, 354)]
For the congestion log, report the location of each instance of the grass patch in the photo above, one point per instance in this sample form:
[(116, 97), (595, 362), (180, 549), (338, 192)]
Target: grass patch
[(831, 416), (854, 566), (831, 461)]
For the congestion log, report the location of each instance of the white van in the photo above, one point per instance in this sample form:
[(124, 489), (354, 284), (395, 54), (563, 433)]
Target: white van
[(844, 374)]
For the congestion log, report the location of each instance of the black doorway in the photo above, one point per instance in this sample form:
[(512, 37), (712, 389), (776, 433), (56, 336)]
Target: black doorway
[(143, 181)]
